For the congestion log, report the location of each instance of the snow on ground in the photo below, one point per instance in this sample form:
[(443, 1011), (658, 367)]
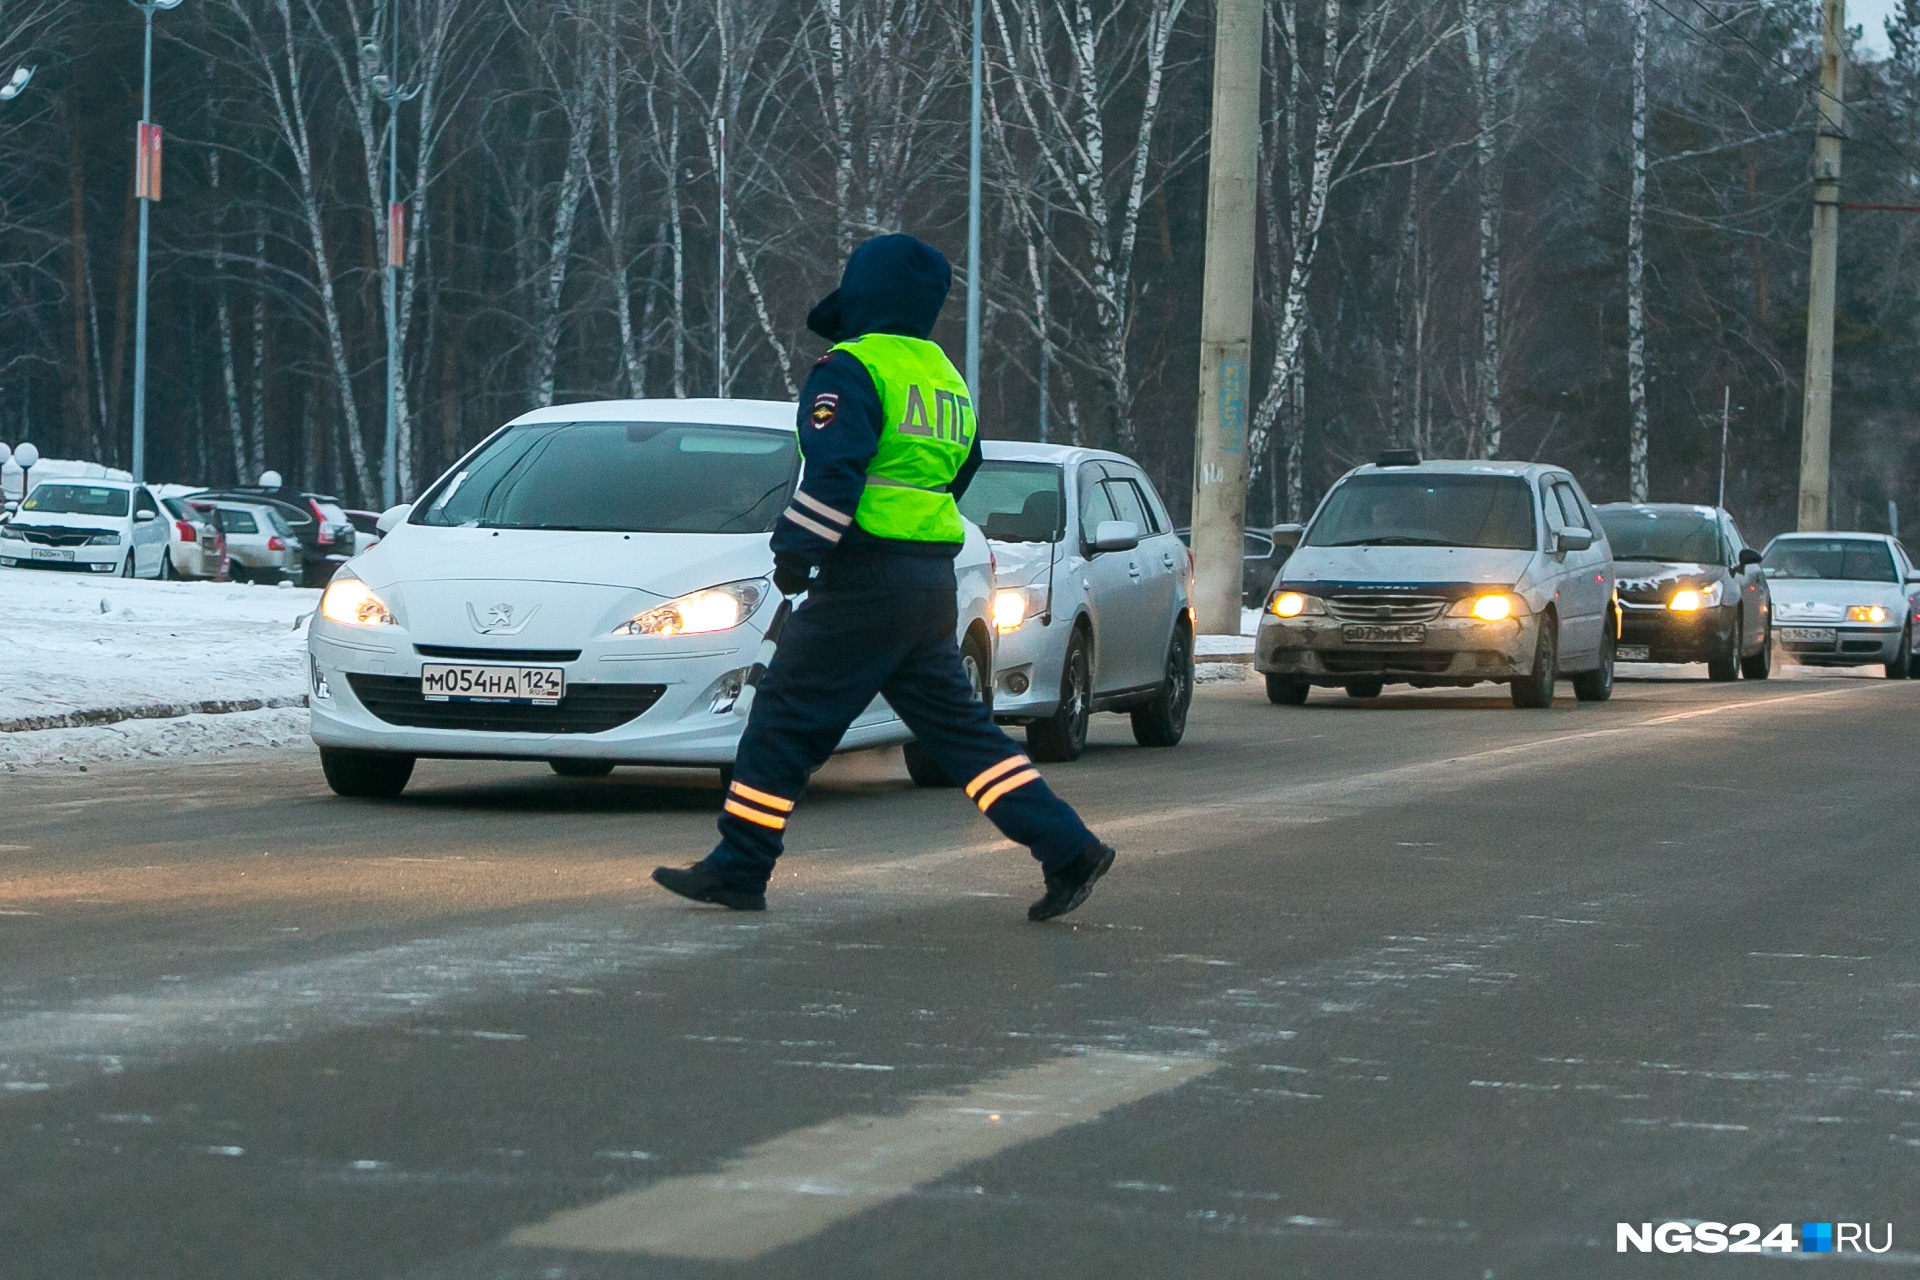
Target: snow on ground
[(73, 645)]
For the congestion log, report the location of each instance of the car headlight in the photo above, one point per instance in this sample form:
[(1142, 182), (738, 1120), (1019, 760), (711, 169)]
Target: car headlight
[(1009, 608), (720, 608), (104, 540), (1489, 606), (352, 603), (1867, 613), (8, 531), (1694, 599), (1294, 604)]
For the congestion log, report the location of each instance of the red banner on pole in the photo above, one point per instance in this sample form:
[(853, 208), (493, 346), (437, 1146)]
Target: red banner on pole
[(396, 235), (146, 163)]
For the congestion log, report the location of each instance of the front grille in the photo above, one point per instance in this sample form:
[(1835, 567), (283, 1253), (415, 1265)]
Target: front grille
[(1367, 662), (586, 708), (1384, 608), (54, 536), (495, 655)]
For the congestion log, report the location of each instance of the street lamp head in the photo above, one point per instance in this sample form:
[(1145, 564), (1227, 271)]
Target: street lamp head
[(369, 56), (382, 85), (166, 4), (16, 83)]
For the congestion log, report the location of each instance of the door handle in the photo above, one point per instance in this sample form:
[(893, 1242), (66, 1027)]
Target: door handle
[(1166, 558), (1133, 569)]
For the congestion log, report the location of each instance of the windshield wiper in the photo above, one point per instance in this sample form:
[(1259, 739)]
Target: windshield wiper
[(1398, 540)]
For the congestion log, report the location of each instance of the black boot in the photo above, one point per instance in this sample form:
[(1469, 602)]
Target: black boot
[(700, 884), (1071, 885)]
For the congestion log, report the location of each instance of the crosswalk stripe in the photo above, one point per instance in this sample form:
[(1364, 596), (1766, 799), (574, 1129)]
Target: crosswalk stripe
[(799, 1184)]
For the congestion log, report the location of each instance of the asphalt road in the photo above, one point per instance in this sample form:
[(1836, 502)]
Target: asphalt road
[(1422, 987)]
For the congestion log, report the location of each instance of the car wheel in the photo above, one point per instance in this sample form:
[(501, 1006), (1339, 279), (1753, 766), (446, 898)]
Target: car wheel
[(166, 573), (1063, 735), (1597, 685), (1725, 665), (1760, 665), (1902, 663), (127, 569), (1534, 690), (974, 662), (1163, 722), (370, 775), (1365, 688), (1286, 691), (581, 768)]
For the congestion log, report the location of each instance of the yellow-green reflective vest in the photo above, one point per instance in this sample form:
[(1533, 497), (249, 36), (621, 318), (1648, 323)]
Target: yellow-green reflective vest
[(927, 430)]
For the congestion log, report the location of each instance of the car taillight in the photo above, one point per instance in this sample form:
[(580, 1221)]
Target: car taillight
[(276, 543), (185, 531), (324, 532)]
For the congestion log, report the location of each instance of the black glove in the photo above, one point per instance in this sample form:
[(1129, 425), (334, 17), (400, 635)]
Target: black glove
[(792, 574)]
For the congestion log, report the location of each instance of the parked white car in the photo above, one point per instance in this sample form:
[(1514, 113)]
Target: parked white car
[(588, 587), (1094, 589), (1845, 600), (1445, 574), (97, 526)]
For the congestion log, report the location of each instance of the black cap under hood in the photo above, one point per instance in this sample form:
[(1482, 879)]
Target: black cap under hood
[(892, 284)]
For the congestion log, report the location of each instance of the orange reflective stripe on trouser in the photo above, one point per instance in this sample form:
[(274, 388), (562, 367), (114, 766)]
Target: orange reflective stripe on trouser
[(1011, 773), (753, 805)]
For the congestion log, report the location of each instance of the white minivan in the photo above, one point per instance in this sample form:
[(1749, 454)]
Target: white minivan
[(1437, 574)]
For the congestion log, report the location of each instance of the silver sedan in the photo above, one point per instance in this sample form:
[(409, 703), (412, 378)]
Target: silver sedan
[(1844, 600)]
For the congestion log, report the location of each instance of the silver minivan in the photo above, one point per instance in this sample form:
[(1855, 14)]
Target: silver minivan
[(1444, 574)]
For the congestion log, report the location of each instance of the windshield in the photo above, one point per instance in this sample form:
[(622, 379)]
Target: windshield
[(1847, 559), (639, 477), (1427, 510), (1015, 501), (77, 499), (1674, 537)]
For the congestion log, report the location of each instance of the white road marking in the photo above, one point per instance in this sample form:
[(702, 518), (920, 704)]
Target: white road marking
[(797, 1185)]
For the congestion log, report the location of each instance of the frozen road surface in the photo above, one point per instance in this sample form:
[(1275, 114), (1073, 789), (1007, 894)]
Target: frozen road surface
[(1424, 987)]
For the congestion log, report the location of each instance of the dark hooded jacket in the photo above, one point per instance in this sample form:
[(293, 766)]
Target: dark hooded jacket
[(892, 284)]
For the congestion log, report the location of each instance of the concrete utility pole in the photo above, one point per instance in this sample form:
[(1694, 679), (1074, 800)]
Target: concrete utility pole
[(1816, 414), (1226, 319)]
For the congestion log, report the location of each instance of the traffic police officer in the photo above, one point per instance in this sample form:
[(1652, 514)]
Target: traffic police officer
[(889, 440)]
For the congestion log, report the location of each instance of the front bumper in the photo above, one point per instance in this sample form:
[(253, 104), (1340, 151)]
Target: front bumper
[(1028, 666), (15, 554), (672, 690), (1455, 651), (1677, 637), (1854, 645)]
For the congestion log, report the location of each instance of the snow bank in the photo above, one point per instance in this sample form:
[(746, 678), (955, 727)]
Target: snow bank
[(77, 649)]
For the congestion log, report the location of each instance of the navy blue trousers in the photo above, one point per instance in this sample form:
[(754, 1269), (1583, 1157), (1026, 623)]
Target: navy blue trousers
[(842, 646)]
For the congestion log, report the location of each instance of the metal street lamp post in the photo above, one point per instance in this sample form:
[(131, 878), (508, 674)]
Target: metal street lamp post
[(973, 220), (148, 188), (384, 87)]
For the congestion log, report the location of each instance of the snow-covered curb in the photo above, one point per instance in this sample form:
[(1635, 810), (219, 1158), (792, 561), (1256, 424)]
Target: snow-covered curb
[(195, 735), (151, 711)]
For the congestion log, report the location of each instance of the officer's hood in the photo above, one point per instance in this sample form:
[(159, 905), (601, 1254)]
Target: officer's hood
[(892, 284)]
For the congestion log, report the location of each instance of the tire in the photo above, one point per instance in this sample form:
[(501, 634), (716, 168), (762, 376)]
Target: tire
[(166, 573), (127, 569), (1365, 688), (1597, 685), (581, 768), (1902, 665), (1062, 736), (1760, 665), (365, 775), (1534, 690), (1726, 666), (979, 672), (1287, 691), (1163, 722)]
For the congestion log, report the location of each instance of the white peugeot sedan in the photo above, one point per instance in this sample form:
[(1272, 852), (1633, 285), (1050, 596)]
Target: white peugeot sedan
[(1845, 600), (98, 526), (1094, 595), (588, 588)]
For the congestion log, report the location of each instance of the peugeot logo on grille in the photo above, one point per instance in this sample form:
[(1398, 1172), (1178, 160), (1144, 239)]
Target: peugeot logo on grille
[(499, 620)]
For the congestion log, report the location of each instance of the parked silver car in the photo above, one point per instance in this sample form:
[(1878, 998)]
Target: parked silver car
[(260, 543), (1844, 600), (1445, 573), (1092, 595)]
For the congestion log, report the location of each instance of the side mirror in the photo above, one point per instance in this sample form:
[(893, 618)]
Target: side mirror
[(1572, 540), (392, 518), (1748, 557), (1913, 579), (1286, 537), (144, 517), (1115, 535)]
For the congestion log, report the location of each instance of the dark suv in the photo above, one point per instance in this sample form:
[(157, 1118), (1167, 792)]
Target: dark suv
[(1690, 589)]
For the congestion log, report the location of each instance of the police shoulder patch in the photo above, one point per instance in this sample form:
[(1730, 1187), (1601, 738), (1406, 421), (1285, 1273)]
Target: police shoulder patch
[(825, 407)]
